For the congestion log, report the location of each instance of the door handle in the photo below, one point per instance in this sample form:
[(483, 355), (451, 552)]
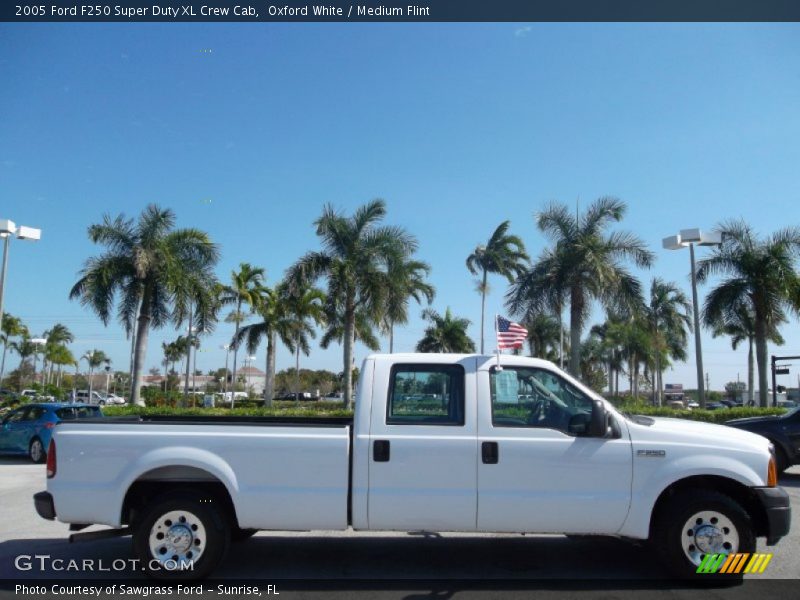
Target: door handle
[(490, 453), (380, 451)]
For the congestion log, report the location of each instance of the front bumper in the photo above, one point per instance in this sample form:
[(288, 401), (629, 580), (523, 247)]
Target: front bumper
[(778, 510), (43, 501)]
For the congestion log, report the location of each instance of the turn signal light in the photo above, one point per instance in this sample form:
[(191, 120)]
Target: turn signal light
[(772, 473)]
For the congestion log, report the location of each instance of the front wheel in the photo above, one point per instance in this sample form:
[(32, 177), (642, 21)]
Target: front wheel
[(36, 450), (181, 538), (698, 523)]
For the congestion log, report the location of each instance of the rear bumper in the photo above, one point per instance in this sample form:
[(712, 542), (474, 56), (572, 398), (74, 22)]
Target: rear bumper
[(43, 501), (778, 510)]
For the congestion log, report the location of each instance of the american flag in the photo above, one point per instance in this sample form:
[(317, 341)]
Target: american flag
[(509, 334)]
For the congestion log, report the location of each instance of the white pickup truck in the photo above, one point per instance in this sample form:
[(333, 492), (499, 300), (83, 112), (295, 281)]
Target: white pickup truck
[(439, 443)]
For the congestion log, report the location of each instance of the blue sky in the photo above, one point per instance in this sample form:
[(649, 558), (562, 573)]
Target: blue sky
[(247, 130)]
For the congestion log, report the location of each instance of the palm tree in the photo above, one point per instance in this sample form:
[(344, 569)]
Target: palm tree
[(356, 254), (24, 347), (305, 307), (148, 264), (584, 265), (363, 328), (94, 358), (61, 357), (59, 335), (246, 287), (445, 333), (544, 333), (406, 280), (275, 323), (11, 327), (503, 254), (762, 274), (738, 322), (667, 320)]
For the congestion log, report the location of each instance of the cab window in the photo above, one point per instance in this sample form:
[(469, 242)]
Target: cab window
[(426, 395), (532, 397)]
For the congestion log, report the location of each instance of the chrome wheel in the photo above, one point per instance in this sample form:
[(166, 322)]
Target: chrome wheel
[(177, 538), (36, 451), (708, 532)]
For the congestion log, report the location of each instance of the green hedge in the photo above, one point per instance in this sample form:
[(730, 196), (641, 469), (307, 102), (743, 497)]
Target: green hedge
[(711, 416), (279, 409)]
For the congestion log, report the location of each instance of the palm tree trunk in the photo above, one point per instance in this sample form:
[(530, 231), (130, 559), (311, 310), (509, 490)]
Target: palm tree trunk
[(750, 390), (391, 337), (3, 364), (575, 322), (140, 348), (297, 371), (185, 401), (91, 382), (235, 350), (349, 342), (483, 305), (611, 376), (761, 359), (269, 381)]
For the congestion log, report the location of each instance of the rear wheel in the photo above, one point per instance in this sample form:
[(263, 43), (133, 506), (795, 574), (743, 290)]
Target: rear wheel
[(696, 523), (182, 537), (36, 451)]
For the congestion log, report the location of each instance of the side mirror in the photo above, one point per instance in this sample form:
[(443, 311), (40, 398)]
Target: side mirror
[(579, 424), (598, 425)]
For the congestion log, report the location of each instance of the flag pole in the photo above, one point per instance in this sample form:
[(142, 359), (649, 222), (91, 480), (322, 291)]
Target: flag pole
[(497, 340)]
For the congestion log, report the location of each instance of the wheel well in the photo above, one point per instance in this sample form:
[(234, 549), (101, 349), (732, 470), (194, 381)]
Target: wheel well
[(742, 494), (167, 480)]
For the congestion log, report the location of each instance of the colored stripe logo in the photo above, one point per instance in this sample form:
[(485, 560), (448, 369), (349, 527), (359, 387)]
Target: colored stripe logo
[(742, 562)]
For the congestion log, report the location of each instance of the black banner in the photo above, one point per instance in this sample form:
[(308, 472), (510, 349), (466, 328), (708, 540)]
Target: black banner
[(408, 11)]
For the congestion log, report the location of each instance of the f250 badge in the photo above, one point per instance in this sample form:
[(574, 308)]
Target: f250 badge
[(651, 453)]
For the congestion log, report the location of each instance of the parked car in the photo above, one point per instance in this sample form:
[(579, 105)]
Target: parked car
[(302, 396), (111, 399), (225, 397), (477, 460), (95, 397), (27, 429), (782, 430)]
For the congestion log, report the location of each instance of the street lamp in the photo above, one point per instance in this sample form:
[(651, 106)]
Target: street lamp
[(690, 238), (8, 229)]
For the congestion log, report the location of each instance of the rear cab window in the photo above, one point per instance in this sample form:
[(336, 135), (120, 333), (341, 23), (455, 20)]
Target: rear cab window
[(70, 413), (426, 394)]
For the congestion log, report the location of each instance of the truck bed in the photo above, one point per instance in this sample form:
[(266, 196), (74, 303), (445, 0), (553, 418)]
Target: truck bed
[(280, 473)]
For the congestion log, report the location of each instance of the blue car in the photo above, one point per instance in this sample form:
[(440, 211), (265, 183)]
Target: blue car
[(27, 429)]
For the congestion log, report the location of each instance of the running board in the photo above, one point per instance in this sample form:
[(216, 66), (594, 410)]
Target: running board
[(99, 535)]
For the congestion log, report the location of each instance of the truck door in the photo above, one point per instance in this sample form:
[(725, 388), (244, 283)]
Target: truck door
[(422, 452), (536, 473)]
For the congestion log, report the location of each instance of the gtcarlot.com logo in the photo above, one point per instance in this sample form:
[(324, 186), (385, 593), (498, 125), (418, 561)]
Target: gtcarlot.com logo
[(734, 563)]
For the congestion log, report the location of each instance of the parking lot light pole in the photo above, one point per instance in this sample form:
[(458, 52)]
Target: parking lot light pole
[(690, 237), (8, 229)]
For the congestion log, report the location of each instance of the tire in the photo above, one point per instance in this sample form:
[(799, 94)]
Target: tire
[(101, 403), (36, 451), (240, 535), (698, 522), (194, 533)]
